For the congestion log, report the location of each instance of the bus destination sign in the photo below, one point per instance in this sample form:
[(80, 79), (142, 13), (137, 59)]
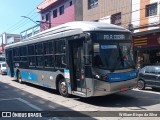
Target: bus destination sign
[(113, 36)]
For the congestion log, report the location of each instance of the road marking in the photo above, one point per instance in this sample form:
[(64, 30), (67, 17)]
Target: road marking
[(54, 118), (52, 106), (154, 92), (24, 101), (8, 99), (29, 104)]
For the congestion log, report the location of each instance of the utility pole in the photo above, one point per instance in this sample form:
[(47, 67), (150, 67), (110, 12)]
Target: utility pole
[(32, 21), (29, 19)]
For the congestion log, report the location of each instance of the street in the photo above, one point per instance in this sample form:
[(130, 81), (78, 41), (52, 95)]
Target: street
[(28, 97)]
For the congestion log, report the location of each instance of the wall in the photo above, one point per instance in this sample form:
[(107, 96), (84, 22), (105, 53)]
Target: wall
[(78, 10), (136, 14), (68, 16), (155, 19), (139, 15), (106, 8)]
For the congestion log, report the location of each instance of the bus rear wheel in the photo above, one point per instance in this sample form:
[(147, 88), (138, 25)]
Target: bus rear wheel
[(19, 77), (63, 89)]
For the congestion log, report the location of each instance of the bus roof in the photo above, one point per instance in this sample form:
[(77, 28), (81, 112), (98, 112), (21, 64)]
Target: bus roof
[(69, 29)]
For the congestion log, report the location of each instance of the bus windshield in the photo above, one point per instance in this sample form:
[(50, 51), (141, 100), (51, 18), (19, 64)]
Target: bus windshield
[(112, 56)]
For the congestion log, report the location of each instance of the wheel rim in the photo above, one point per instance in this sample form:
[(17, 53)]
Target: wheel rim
[(63, 88), (140, 84)]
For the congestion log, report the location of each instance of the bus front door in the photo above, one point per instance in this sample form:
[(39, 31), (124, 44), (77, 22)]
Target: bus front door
[(10, 62), (77, 66)]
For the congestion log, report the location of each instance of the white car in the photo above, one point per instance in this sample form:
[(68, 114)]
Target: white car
[(3, 69)]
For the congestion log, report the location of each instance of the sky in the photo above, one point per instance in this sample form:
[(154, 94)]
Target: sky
[(11, 12)]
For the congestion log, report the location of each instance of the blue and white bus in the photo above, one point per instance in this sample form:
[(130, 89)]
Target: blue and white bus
[(80, 58)]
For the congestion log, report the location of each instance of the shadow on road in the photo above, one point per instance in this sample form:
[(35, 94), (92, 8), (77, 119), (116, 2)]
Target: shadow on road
[(130, 98), (14, 99)]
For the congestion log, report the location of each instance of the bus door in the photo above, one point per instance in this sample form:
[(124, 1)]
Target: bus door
[(77, 65), (10, 62)]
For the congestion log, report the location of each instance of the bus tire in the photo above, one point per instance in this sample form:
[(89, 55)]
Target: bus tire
[(62, 87), (19, 77)]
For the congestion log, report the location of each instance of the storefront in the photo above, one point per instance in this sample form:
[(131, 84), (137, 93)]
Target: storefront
[(147, 47)]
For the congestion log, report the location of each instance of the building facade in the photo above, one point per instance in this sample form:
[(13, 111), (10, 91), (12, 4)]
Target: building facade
[(146, 25), (140, 16), (57, 12), (110, 11), (7, 38)]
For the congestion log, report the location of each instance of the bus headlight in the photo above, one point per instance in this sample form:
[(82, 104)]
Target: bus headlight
[(97, 76), (101, 77)]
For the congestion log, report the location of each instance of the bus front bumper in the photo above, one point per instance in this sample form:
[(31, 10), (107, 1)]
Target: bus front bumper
[(105, 88)]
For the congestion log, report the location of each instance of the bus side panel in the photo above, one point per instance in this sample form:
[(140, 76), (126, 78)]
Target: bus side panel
[(42, 78), (89, 86)]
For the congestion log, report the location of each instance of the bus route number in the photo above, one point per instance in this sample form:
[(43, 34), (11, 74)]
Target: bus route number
[(114, 37)]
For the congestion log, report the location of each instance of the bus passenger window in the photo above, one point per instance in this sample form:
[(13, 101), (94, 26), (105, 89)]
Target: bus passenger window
[(50, 48), (39, 60), (46, 48), (32, 61), (31, 50), (48, 61)]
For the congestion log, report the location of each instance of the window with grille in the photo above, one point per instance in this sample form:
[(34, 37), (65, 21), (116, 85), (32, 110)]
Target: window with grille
[(61, 10), (92, 4), (151, 9), (55, 13), (116, 19)]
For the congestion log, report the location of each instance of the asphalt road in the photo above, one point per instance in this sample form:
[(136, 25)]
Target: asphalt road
[(26, 97)]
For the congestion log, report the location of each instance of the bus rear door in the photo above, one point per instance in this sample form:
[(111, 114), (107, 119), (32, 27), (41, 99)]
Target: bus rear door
[(10, 62)]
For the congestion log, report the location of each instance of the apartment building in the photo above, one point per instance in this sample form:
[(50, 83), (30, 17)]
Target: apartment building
[(140, 16), (146, 37), (8, 38), (57, 12), (109, 11)]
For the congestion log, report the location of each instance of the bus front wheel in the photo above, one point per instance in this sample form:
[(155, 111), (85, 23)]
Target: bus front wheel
[(19, 77), (63, 89)]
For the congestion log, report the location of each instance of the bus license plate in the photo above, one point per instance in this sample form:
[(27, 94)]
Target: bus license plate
[(124, 89)]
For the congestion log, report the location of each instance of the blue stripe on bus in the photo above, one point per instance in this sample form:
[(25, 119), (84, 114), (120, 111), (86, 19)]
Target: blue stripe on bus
[(8, 72), (24, 75), (117, 77), (28, 76)]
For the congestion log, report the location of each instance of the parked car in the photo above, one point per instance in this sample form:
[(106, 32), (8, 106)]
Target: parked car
[(3, 69), (149, 76), (2, 58)]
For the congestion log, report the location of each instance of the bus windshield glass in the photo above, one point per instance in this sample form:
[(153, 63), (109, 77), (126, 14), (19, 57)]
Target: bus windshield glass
[(112, 56)]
